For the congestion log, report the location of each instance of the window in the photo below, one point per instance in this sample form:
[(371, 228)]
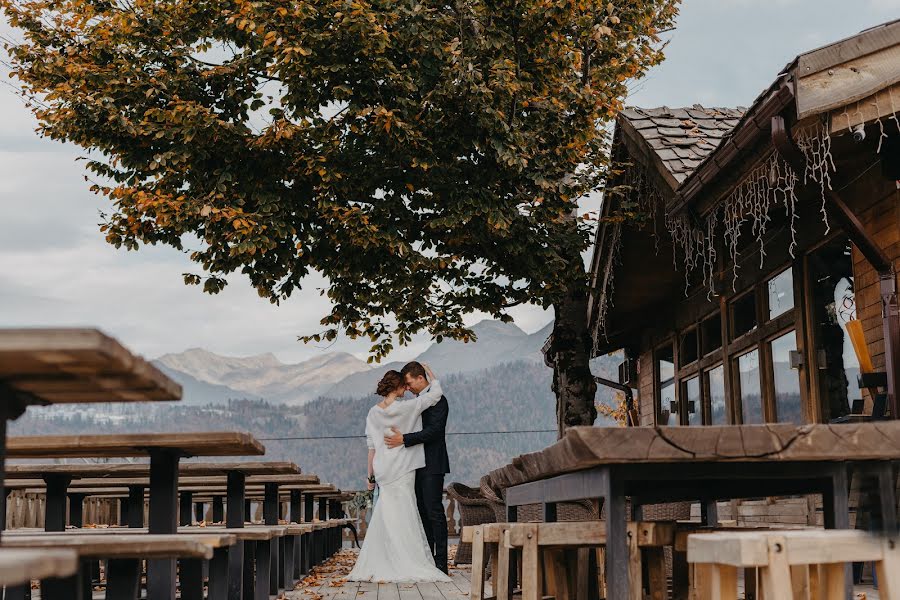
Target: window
[(689, 350), (750, 389), (781, 293), (667, 408), (692, 396), (718, 414), (743, 315), (711, 334), (787, 380)]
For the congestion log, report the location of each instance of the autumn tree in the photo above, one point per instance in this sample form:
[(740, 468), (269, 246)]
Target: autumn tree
[(427, 158)]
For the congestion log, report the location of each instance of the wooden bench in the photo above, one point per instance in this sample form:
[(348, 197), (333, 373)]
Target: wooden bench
[(124, 553), (557, 556), (797, 564), (18, 567)]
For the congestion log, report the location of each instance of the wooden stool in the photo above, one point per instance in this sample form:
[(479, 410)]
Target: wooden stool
[(555, 556), (803, 564), (487, 549)]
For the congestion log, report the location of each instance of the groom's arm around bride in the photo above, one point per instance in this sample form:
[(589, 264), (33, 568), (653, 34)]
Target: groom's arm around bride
[(430, 479)]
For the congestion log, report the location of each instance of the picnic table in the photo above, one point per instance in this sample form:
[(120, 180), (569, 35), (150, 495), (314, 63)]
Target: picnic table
[(165, 450), (705, 464)]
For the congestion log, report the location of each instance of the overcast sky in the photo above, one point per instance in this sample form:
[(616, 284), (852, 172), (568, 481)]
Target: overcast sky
[(55, 268)]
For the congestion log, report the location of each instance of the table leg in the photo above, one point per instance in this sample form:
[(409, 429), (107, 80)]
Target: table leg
[(18, 592), (123, 511), (323, 509), (199, 512), (249, 579), (190, 578), (263, 566), (135, 506), (274, 561), (163, 519), (123, 579), (66, 588), (836, 514), (286, 569), (76, 510), (218, 509), (218, 573), (270, 517), (55, 509), (709, 512), (235, 570), (887, 499), (309, 507), (185, 508), (617, 583)]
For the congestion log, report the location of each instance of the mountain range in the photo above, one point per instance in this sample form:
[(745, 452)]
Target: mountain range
[(207, 377)]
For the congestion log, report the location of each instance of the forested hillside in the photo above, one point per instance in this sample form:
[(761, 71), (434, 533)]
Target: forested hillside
[(509, 398)]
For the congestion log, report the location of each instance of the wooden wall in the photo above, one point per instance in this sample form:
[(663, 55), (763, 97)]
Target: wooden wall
[(882, 220)]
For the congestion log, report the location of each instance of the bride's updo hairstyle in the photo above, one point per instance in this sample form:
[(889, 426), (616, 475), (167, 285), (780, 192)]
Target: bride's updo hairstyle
[(391, 381)]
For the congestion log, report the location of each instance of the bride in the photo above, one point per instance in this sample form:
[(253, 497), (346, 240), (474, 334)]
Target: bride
[(395, 548)]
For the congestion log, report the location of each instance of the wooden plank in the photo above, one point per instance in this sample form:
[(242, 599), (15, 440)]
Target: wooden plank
[(585, 447), (428, 591), (222, 443), (143, 545), (78, 365), (19, 566), (880, 105)]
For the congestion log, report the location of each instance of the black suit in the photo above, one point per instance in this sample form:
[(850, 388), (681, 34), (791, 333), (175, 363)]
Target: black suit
[(430, 479)]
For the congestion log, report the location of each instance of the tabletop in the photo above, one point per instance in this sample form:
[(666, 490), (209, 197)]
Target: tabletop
[(138, 473), (586, 447), (21, 566), (221, 443), (51, 366)]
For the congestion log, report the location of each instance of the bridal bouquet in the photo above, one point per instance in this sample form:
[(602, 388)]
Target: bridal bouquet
[(362, 500)]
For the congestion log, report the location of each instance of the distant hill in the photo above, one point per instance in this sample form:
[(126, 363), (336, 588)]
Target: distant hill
[(498, 343), (262, 376), (511, 398), (210, 377)]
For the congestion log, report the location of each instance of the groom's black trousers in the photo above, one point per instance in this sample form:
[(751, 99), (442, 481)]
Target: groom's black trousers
[(430, 498)]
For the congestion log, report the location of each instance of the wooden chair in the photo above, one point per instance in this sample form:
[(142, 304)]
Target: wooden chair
[(555, 557), (800, 564)]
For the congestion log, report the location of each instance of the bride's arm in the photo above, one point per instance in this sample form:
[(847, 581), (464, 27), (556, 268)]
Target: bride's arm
[(432, 395), (370, 443)]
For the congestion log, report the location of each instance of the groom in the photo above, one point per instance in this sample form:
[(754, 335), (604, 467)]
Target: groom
[(430, 479)]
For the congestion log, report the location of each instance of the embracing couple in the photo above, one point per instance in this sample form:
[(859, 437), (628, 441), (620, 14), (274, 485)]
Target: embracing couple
[(408, 461)]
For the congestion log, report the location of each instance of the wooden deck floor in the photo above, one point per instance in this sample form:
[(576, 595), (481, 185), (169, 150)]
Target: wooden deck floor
[(329, 582)]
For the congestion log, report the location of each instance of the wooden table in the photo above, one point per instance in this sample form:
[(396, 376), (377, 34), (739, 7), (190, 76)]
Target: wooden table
[(19, 567), (705, 464), (125, 551), (53, 366), (165, 451)]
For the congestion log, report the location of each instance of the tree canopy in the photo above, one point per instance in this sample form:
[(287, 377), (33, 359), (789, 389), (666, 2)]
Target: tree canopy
[(425, 157)]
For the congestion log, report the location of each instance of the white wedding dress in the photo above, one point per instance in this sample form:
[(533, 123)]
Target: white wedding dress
[(395, 548)]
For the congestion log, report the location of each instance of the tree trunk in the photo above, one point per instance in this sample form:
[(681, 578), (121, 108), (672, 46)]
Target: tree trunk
[(570, 353)]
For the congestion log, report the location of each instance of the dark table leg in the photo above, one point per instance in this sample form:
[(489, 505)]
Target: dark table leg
[(887, 499), (135, 506), (163, 519), (123, 511), (234, 518), (617, 583), (287, 562), (76, 509), (218, 574), (123, 579), (190, 578), (218, 509), (55, 508), (67, 588), (18, 592), (248, 511), (836, 513), (709, 512), (249, 567), (263, 566), (309, 507), (323, 509), (199, 512), (270, 517), (185, 508)]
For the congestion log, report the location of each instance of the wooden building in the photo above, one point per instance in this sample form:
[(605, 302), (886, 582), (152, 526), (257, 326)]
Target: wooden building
[(737, 244)]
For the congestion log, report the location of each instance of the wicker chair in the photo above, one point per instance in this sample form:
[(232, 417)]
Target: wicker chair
[(579, 510), (474, 509)]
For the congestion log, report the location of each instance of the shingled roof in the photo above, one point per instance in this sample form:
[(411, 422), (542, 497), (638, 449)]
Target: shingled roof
[(680, 137)]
